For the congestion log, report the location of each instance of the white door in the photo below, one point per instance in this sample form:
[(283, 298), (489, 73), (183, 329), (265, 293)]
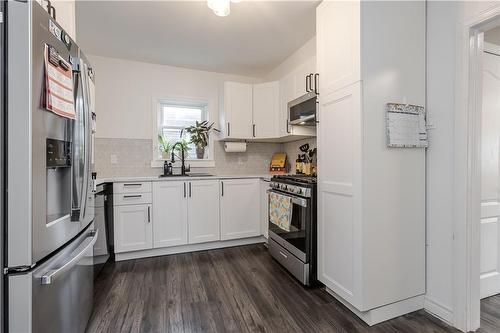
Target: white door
[(266, 110), (264, 208), (240, 208), (238, 110), (133, 228), (490, 132), (203, 211), (170, 223)]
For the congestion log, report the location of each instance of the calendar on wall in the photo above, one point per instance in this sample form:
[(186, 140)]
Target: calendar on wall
[(406, 126)]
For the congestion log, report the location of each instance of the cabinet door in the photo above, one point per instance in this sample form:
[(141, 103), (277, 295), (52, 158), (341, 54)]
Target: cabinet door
[(169, 214), (133, 228), (266, 110), (338, 37), (238, 110), (339, 191), (240, 208), (287, 89), (203, 211)]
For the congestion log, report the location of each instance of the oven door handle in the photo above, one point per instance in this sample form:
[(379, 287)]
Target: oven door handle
[(296, 200)]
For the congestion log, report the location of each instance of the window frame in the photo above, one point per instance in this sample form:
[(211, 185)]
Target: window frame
[(157, 161)]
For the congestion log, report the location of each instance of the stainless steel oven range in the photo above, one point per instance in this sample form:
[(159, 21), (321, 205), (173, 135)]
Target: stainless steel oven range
[(292, 225)]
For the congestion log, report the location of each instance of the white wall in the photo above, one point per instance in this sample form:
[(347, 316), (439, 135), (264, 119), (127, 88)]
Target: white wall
[(125, 92), (295, 60), (441, 21)]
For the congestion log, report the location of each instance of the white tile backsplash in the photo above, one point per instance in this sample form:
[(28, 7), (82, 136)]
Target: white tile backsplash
[(132, 157)]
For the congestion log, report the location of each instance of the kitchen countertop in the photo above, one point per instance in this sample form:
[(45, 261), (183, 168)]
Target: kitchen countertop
[(178, 178)]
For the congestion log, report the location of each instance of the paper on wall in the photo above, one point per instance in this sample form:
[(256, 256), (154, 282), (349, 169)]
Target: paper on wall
[(59, 92)]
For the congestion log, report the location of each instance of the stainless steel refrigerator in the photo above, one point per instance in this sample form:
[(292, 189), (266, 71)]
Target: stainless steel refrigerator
[(48, 259)]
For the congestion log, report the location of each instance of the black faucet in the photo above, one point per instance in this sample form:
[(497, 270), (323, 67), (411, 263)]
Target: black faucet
[(183, 166)]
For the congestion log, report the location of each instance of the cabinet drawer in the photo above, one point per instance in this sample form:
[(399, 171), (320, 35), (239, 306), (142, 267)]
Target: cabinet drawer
[(132, 187), (296, 267), (121, 199)]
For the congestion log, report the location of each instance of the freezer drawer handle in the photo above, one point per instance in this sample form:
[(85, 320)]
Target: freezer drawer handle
[(53, 274)]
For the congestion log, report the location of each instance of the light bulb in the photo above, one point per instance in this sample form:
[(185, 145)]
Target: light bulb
[(220, 7)]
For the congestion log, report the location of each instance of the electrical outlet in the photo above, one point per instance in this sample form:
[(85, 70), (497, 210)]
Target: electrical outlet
[(114, 159)]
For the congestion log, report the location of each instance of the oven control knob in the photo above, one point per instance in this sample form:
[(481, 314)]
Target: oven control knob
[(292, 189), (284, 187), (299, 191)]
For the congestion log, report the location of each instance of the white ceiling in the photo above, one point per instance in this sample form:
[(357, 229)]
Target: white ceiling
[(254, 39)]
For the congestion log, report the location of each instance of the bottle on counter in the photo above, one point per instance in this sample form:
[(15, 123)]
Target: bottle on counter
[(298, 165)]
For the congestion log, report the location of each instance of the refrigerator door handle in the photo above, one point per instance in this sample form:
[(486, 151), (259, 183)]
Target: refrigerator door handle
[(79, 144), (86, 245)]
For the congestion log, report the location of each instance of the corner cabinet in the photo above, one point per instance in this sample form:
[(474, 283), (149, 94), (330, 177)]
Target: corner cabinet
[(240, 208), (266, 110), (251, 111), (371, 199)]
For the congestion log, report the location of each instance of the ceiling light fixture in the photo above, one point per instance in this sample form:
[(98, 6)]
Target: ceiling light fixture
[(221, 7)]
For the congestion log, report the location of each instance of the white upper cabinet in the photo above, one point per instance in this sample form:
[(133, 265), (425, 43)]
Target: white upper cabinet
[(266, 110), (240, 208), (203, 211), (170, 213), (338, 27), (371, 199), (237, 115)]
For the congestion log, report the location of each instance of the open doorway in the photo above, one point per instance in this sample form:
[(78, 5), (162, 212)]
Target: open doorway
[(490, 183)]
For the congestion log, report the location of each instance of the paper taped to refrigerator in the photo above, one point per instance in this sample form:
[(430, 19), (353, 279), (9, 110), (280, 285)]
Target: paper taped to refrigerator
[(406, 126), (59, 94)]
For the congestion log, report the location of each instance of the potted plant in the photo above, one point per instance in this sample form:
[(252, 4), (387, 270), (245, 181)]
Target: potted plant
[(200, 133), (165, 147)]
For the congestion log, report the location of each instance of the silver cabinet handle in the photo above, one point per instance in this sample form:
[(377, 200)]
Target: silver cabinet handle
[(190, 189), (228, 129), (86, 245), (184, 190), (149, 214), (127, 185), (132, 196), (284, 255), (253, 130), (222, 188)]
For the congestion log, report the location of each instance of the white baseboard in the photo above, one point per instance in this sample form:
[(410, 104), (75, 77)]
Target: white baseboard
[(438, 310), (187, 248), (386, 312)]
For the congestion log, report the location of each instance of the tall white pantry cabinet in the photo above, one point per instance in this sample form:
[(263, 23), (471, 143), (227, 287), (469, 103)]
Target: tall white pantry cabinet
[(371, 198)]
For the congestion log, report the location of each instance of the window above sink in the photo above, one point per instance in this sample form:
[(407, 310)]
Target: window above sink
[(171, 117)]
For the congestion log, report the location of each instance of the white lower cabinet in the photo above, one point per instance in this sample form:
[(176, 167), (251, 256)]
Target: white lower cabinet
[(133, 228), (203, 211), (240, 208), (170, 213)]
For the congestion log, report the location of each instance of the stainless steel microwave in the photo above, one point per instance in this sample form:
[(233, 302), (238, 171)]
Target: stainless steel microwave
[(302, 111)]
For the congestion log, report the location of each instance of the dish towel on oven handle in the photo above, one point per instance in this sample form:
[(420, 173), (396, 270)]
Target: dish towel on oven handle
[(280, 210)]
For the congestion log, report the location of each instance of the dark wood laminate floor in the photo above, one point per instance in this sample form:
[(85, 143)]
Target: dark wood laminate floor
[(490, 315), (240, 289)]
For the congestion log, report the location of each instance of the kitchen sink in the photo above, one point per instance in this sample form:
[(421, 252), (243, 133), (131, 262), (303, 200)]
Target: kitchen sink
[(187, 175)]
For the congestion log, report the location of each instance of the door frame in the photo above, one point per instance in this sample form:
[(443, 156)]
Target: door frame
[(467, 168)]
